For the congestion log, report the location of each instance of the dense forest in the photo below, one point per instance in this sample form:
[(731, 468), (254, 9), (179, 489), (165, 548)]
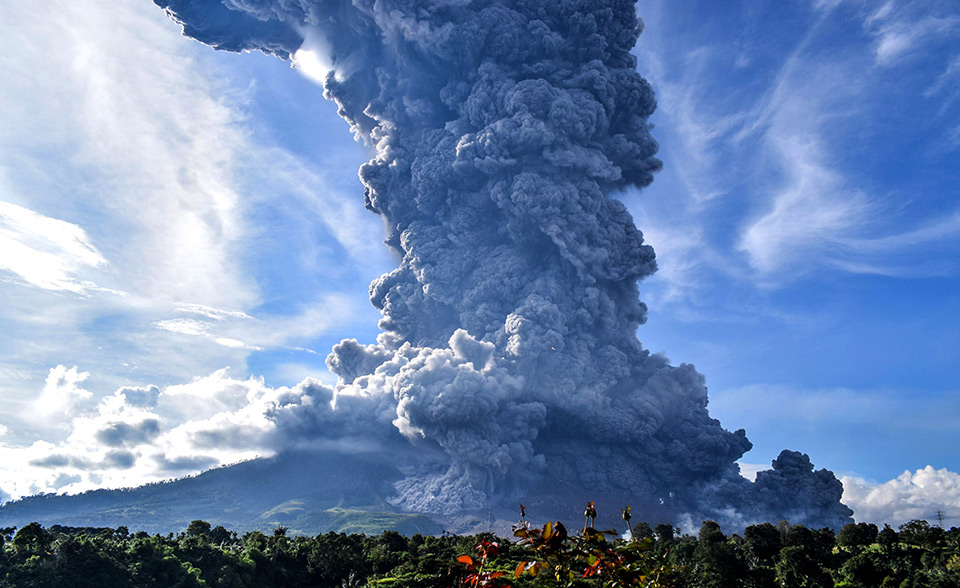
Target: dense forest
[(860, 555)]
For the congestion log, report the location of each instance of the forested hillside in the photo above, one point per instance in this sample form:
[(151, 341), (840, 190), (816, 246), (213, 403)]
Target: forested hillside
[(308, 492), (786, 556)]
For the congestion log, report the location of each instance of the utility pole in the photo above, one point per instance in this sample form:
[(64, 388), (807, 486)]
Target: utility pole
[(940, 518)]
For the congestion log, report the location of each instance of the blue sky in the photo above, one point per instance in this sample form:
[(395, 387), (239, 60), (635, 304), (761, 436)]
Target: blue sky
[(806, 223), (176, 217)]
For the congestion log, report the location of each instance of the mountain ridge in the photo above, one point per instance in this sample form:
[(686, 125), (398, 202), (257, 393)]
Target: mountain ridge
[(307, 492)]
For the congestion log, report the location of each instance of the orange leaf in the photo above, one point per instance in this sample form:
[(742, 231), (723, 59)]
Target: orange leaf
[(520, 569), (465, 559), (496, 575)]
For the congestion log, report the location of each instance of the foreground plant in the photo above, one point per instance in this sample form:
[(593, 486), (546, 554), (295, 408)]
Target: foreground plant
[(589, 558), (478, 575)]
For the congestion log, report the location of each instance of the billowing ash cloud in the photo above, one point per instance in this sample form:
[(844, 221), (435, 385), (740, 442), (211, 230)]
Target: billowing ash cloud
[(509, 348)]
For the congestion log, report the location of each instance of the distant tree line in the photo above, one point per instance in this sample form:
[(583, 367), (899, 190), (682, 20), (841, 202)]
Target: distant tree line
[(859, 556), (783, 556)]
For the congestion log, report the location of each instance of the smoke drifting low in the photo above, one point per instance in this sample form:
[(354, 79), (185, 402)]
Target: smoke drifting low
[(509, 349)]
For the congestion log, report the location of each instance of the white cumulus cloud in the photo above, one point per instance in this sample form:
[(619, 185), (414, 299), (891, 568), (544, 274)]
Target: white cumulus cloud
[(911, 495), (142, 434), (62, 392)]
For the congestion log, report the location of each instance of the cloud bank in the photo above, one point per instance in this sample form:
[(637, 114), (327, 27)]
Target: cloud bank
[(145, 434), (911, 495), (508, 346)]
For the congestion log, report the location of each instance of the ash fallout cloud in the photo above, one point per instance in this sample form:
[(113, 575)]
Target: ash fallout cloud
[(508, 364)]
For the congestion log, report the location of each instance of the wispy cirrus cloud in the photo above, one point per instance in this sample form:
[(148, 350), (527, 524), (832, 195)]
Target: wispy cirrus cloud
[(818, 215), (218, 314), (129, 164), (119, 156), (769, 161), (805, 218), (899, 29), (46, 252), (902, 27), (127, 126), (236, 329)]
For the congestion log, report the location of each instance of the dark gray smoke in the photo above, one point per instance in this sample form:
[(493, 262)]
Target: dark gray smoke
[(509, 354)]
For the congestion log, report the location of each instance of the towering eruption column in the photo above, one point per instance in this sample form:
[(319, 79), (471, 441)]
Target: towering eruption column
[(509, 360)]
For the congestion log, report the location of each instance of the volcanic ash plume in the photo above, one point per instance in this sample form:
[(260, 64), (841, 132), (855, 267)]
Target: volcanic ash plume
[(508, 358)]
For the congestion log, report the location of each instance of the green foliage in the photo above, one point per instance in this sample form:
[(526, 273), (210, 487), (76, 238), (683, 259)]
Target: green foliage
[(763, 543), (663, 533), (590, 558), (199, 529), (857, 535), (767, 556), (32, 539), (719, 561)]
